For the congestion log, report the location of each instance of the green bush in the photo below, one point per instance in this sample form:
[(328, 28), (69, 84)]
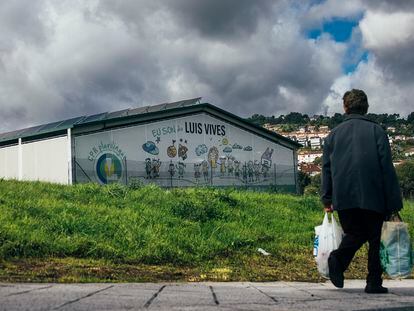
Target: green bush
[(405, 173), (311, 190)]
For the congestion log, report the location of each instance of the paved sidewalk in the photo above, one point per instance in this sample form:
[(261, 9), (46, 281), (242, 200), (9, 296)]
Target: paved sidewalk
[(205, 296)]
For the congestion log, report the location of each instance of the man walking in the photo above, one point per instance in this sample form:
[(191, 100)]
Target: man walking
[(360, 183)]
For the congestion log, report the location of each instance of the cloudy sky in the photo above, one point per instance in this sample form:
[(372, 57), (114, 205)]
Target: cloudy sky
[(66, 58)]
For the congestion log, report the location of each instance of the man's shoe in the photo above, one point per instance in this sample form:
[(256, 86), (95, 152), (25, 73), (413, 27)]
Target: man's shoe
[(375, 289), (335, 272)]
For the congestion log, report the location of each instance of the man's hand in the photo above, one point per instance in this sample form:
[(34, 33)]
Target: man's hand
[(328, 208)]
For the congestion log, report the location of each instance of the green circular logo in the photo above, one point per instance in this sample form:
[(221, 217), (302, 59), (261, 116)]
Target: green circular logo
[(108, 168)]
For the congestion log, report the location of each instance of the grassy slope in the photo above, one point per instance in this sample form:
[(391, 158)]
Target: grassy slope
[(112, 233)]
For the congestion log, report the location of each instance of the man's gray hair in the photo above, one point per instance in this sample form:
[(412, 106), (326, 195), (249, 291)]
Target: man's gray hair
[(356, 101)]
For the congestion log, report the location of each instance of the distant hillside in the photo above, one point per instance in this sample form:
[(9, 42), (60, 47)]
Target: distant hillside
[(296, 118)]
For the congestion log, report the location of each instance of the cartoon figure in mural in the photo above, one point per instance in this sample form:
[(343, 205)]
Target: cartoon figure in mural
[(250, 170), (244, 172), (213, 155), (197, 173), (156, 164), (171, 169), (181, 169), (266, 161), (267, 158), (148, 168), (265, 171), (229, 165), (228, 150), (236, 168), (222, 162), (201, 149), (182, 150), (171, 150), (256, 167), (204, 169)]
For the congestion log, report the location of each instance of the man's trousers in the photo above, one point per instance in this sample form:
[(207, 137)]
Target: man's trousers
[(361, 226)]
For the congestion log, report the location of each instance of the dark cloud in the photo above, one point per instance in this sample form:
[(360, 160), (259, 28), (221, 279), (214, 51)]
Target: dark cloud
[(113, 79), (74, 58), (132, 53), (389, 37), (10, 117), (389, 5), (398, 64), (222, 19), (22, 22)]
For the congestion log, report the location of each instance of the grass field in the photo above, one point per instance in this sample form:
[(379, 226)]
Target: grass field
[(86, 233)]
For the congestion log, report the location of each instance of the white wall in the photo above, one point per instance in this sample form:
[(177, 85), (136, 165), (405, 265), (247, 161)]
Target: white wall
[(46, 160), (9, 162)]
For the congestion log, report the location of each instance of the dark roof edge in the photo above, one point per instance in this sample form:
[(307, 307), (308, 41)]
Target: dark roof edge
[(44, 130), (203, 107), (172, 112)]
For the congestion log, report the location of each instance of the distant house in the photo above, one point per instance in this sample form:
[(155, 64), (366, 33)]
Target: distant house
[(409, 152), (324, 129), (273, 127), (303, 140), (315, 142), (310, 168), (308, 156), (400, 137)]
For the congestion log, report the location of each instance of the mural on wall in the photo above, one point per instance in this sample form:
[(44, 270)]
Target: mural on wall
[(171, 169), (150, 148), (204, 169), (171, 150), (107, 162), (190, 150), (197, 173), (108, 168), (182, 149), (181, 169), (201, 149), (213, 155), (152, 168)]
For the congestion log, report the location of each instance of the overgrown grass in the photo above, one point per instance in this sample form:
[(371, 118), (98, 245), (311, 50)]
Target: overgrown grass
[(197, 229)]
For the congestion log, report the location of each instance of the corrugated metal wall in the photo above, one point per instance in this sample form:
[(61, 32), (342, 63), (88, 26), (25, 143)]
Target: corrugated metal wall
[(9, 162)]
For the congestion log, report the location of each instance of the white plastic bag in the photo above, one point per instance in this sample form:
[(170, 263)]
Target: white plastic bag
[(395, 253), (328, 236)]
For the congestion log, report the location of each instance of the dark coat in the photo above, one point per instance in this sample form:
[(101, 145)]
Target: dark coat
[(357, 168)]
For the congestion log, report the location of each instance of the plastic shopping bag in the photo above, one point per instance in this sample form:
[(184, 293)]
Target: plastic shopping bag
[(395, 251), (328, 236)]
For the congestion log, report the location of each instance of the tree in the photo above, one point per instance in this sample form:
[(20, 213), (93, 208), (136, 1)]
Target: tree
[(318, 161), (336, 119), (410, 118), (297, 118), (405, 173), (257, 119), (315, 185), (303, 181)]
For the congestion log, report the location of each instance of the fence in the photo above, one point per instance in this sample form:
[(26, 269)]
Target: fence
[(180, 174)]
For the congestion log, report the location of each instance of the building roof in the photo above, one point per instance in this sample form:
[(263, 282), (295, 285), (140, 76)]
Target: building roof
[(309, 168), (125, 117)]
